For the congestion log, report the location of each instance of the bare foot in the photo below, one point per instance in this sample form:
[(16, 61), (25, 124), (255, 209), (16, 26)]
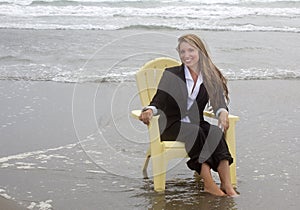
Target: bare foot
[(214, 190), (229, 191), (209, 184)]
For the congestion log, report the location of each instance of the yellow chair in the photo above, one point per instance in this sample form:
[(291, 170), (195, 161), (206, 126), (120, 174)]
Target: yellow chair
[(161, 152)]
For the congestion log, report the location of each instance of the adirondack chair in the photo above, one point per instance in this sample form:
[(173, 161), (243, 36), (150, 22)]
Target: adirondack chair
[(147, 79)]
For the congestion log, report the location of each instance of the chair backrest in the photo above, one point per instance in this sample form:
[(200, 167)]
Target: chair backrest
[(148, 77)]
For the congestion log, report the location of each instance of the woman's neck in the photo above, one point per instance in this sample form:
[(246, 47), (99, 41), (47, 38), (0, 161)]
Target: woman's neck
[(194, 69), (194, 75)]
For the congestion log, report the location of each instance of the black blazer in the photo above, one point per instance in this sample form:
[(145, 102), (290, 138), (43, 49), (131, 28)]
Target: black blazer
[(171, 99)]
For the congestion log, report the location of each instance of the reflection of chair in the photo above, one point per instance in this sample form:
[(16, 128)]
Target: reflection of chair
[(161, 152)]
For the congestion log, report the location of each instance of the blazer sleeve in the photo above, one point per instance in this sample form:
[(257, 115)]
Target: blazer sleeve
[(160, 98), (219, 101)]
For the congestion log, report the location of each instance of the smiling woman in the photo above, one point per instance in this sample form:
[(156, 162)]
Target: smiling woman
[(212, 76), (182, 112)]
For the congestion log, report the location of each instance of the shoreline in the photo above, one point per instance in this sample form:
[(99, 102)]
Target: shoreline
[(9, 204)]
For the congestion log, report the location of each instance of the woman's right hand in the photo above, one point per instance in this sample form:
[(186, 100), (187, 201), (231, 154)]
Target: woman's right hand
[(146, 116)]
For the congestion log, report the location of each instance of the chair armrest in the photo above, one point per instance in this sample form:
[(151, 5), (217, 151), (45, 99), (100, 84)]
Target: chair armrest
[(212, 115), (136, 113), (154, 135), (209, 114)]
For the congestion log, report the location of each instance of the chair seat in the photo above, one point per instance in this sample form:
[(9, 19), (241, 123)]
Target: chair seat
[(174, 149), (173, 144)]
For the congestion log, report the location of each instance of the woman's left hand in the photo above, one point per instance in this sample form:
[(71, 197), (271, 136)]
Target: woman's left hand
[(223, 120)]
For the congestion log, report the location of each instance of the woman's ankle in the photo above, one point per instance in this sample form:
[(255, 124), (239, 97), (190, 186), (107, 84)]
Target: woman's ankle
[(229, 190), (212, 188)]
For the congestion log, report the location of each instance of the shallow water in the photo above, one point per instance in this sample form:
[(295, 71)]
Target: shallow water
[(65, 179), (62, 160), (114, 56)]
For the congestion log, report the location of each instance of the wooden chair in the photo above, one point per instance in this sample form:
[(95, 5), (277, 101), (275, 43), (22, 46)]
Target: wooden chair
[(161, 152)]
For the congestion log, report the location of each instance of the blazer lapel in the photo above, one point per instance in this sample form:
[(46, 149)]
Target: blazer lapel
[(202, 92), (183, 88)]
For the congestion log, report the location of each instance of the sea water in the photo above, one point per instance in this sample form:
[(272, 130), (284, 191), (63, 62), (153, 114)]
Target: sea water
[(25, 54)]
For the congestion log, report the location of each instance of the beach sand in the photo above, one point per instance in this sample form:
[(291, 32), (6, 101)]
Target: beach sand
[(42, 162), (6, 204)]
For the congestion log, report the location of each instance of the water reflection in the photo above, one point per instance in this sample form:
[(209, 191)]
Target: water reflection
[(183, 194)]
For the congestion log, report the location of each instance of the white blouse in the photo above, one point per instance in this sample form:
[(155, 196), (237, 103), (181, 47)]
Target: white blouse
[(192, 94)]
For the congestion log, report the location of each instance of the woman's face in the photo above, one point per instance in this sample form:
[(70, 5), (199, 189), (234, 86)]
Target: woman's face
[(189, 55)]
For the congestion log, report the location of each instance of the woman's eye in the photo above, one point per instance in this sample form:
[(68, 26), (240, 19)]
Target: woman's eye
[(191, 50)]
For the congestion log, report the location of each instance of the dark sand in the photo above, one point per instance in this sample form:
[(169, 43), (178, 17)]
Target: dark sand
[(6, 204)]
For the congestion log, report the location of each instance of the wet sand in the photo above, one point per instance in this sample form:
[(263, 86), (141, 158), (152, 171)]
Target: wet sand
[(64, 151), (6, 204)]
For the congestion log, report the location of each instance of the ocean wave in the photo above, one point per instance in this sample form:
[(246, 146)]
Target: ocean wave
[(10, 58), (261, 74), (204, 27), (241, 28), (30, 2), (163, 11), (242, 74), (109, 15)]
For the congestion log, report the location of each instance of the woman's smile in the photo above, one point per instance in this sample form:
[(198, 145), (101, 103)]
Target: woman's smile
[(189, 55)]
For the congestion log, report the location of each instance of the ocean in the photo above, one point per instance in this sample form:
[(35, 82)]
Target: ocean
[(226, 15), (67, 86), (259, 18)]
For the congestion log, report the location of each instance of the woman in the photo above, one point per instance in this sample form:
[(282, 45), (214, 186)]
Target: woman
[(182, 94)]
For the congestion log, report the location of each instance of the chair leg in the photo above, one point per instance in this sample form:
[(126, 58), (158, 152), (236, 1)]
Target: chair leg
[(159, 172), (233, 174), (159, 182), (148, 155), (230, 137)]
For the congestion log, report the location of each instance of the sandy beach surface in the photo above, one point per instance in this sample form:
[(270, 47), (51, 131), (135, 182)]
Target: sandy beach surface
[(72, 146), (6, 204)]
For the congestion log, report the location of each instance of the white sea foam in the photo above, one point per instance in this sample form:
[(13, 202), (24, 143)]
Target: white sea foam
[(128, 76), (42, 205), (208, 15), (28, 2), (40, 154), (195, 11), (96, 172), (4, 194)]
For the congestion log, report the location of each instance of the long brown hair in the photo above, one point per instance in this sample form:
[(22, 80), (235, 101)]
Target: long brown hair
[(213, 79)]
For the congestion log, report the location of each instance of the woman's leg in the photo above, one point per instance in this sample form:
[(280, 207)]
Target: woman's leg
[(194, 138), (209, 184), (224, 173)]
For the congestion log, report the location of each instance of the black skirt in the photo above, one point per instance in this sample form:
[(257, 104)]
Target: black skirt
[(204, 143)]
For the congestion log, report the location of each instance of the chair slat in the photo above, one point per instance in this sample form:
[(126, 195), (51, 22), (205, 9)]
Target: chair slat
[(149, 76)]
